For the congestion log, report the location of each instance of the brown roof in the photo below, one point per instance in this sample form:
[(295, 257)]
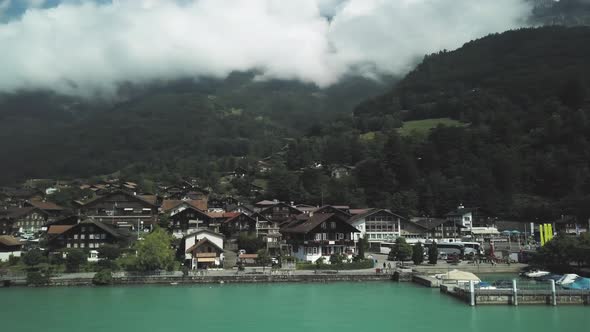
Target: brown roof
[(248, 256), (9, 241), (58, 229), (14, 213), (200, 243), (357, 211), (313, 222), (169, 204), (45, 205), (150, 198)]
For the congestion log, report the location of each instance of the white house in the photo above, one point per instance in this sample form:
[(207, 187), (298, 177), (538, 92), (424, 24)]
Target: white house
[(461, 217), (377, 225), (204, 249)]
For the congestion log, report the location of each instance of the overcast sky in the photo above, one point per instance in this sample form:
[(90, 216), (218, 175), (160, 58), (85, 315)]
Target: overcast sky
[(87, 48)]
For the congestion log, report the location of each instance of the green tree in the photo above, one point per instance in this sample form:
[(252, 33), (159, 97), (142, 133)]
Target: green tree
[(263, 258), (33, 257), (250, 242), (418, 253), (433, 253), (363, 245), (401, 250), (103, 277), (109, 251), (336, 259), (75, 258), (154, 251)]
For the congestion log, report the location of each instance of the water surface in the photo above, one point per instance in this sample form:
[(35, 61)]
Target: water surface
[(358, 307)]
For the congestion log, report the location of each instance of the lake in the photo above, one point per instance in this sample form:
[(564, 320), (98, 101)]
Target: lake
[(378, 306)]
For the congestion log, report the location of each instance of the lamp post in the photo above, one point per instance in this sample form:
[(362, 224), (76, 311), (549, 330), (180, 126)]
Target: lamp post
[(139, 222)]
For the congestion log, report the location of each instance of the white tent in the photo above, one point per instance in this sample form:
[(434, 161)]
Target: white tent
[(459, 276)]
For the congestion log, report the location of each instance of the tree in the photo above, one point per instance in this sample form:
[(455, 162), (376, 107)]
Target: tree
[(109, 251), (154, 252), (103, 277), (336, 259), (74, 259), (363, 245), (263, 258), (418, 253), (401, 250), (33, 257), (433, 253), (250, 242)]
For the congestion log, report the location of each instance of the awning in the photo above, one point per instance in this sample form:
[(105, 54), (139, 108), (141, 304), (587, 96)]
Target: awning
[(205, 260)]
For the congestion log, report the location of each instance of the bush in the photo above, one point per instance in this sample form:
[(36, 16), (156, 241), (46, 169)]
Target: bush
[(75, 258), (33, 257), (38, 278), (433, 253), (102, 278), (13, 260), (418, 253), (358, 265)]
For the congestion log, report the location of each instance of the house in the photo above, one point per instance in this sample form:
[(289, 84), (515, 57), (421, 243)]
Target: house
[(241, 208), (203, 249), (569, 225), (438, 228), (269, 232), (53, 210), (9, 246), (378, 225), (187, 220), (461, 217), (340, 212), (172, 206), (238, 223), (22, 220), (279, 212), (320, 235), (88, 234), (121, 209)]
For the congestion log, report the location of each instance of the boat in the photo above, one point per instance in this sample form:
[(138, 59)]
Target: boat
[(485, 285), (579, 284), (173, 283), (567, 279), (536, 274), (548, 277)]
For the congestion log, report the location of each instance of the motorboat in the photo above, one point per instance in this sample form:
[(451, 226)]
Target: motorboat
[(567, 279), (485, 285), (536, 274), (548, 277), (579, 284)]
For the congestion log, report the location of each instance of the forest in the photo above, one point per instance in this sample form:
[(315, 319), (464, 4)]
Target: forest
[(505, 129)]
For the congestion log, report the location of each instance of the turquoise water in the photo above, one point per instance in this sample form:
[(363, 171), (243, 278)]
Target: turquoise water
[(342, 307)]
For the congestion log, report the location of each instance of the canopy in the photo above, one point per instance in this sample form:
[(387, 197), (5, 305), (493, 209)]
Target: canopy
[(460, 276), (515, 232)]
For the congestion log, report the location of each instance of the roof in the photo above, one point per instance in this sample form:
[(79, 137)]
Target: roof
[(150, 198), (45, 205), (204, 231), (202, 242), (13, 213), (58, 229), (459, 275), (237, 215), (9, 241), (114, 232), (314, 221), (357, 211), (266, 202), (248, 256), (169, 204), (370, 212), (459, 212), (139, 198)]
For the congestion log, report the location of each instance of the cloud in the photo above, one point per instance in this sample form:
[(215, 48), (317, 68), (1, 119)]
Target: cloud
[(85, 48)]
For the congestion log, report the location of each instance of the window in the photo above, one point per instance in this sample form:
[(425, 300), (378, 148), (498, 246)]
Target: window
[(81, 245), (91, 236), (315, 250), (83, 229), (91, 245), (467, 218), (333, 225), (75, 236), (340, 236), (324, 226), (82, 236), (318, 236), (69, 245), (75, 245)]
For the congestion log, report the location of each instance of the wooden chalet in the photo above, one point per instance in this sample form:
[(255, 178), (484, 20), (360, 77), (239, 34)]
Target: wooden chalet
[(121, 209), (320, 235), (188, 219), (280, 212), (22, 220), (87, 235), (239, 223)]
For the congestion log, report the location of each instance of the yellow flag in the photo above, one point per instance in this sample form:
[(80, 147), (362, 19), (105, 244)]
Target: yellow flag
[(542, 234)]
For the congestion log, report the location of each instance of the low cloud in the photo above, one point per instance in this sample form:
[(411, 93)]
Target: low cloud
[(88, 49)]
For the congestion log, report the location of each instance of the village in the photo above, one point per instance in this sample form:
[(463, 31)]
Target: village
[(224, 233)]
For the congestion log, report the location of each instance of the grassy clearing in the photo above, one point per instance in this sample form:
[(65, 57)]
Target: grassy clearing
[(421, 127)]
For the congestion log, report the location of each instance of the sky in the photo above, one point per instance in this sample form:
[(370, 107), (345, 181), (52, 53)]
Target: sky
[(88, 48)]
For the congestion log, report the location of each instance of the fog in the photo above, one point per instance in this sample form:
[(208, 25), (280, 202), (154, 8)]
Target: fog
[(88, 48)]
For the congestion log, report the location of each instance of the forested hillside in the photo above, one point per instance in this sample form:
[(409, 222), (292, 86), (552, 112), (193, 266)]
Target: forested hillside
[(521, 152)]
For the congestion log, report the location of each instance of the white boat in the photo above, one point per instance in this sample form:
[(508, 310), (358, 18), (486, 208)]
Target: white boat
[(567, 279), (536, 274)]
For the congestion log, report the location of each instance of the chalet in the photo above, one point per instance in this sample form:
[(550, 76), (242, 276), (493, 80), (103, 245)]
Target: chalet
[(203, 249), (438, 228), (187, 220), (320, 235), (279, 212), (9, 246), (22, 220), (241, 208), (88, 234), (172, 206), (121, 209), (340, 212), (53, 210), (239, 223), (378, 225), (16, 196), (269, 232)]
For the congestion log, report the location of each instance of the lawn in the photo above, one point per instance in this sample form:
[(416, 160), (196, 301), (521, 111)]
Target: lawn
[(421, 127)]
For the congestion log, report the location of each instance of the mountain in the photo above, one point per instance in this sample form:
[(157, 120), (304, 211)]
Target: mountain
[(185, 127), (513, 139)]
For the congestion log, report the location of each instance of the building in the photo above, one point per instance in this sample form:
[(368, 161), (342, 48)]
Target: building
[(203, 249), (378, 225), (570, 225), (321, 235), (9, 246), (121, 209), (462, 218), (239, 223), (187, 220), (88, 234), (279, 212), (22, 220), (439, 228)]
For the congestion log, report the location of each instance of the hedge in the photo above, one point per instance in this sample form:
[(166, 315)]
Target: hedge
[(359, 265)]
